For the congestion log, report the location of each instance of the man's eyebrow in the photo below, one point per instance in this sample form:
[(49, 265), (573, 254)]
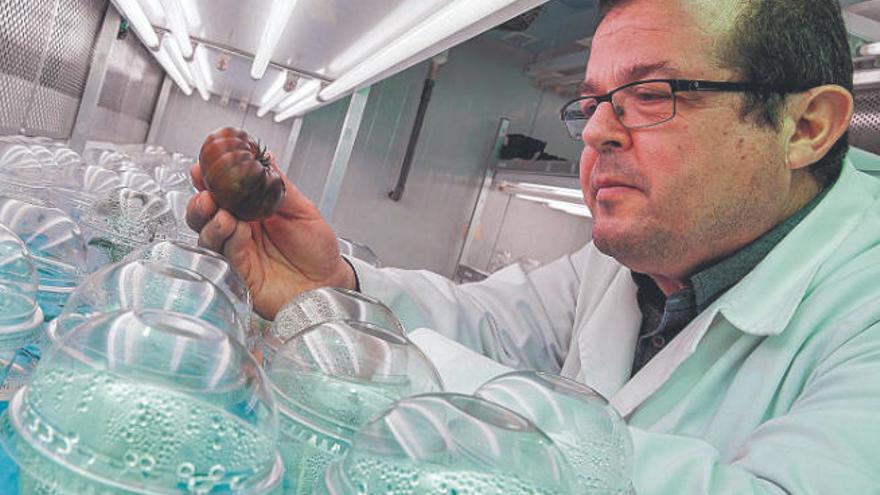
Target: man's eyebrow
[(663, 69)]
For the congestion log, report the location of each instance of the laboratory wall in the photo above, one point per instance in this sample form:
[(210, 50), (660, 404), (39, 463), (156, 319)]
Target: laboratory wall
[(128, 95), (187, 120), (482, 81)]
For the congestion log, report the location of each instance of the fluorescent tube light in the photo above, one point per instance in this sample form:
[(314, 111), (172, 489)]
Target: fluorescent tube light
[(273, 95), (870, 49), (204, 64), (448, 21), (132, 11), (866, 77), (564, 206), (171, 69), (177, 22), (302, 91), (196, 68), (303, 107), (154, 11), (169, 44), (277, 20)]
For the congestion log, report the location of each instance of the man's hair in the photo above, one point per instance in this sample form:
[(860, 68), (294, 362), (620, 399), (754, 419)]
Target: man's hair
[(795, 44)]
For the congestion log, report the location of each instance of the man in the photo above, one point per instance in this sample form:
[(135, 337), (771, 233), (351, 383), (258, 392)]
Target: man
[(729, 304)]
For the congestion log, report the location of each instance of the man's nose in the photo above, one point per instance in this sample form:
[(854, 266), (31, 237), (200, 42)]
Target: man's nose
[(604, 131)]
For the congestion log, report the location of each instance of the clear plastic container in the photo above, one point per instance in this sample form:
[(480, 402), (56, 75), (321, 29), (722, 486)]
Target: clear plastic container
[(148, 284), (78, 192), (145, 402), (170, 178), (323, 305), (56, 245), (332, 379), (178, 201), (139, 181), (21, 320), (208, 264), (21, 173), (123, 220), (589, 432), (449, 444)]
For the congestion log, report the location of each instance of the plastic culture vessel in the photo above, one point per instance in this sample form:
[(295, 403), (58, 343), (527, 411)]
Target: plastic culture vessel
[(145, 402), (450, 444), (324, 305), (589, 432), (332, 379)]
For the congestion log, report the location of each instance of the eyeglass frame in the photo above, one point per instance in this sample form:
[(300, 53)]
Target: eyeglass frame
[(677, 86)]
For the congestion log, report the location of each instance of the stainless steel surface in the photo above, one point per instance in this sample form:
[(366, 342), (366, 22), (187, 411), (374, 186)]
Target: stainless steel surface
[(159, 109), (47, 46), (95, 81), (865, 128), (475, 225), (342, 155)]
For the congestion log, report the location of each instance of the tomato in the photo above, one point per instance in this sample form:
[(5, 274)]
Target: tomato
[(238, 173)]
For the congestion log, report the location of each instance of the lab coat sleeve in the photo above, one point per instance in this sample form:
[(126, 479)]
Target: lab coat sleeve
[(522, 320), (826, 444)]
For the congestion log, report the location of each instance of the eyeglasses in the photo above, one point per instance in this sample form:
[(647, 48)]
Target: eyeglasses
[(648, 103)]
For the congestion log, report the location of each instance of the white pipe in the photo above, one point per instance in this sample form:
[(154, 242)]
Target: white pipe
[(273, 95), (177, 22), (132, 11), (448, 21), (277, 20)]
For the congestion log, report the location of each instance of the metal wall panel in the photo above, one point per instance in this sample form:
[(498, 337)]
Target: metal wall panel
[(47, 46), (865, 128), (128, 95)]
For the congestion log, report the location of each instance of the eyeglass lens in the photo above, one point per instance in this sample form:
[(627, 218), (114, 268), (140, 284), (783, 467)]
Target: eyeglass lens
[(640, 105)]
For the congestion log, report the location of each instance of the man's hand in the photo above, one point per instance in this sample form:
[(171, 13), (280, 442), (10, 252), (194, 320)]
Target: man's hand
[(291, 252)]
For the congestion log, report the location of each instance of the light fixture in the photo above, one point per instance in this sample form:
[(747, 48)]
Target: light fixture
[(154, 11), (273, 95), (866, 77), (277, 20), (171, 69), (304, 91), (448, 21), (564, 206), (132, 11), (198, 70), (870, 49), (169, 44), (177, 22), (302, 107)]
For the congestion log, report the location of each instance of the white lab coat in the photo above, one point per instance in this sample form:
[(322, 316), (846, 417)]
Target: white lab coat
[(775, 388)]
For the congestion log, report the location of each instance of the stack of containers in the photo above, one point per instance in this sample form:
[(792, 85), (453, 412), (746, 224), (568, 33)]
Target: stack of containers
[(149, 386)]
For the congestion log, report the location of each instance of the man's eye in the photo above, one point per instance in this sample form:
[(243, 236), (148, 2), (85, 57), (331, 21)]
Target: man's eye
[(588, 108), (653, 96)]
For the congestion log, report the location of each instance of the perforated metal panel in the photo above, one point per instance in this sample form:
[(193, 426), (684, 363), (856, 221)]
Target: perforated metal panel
[(44, 61), (865, 129)]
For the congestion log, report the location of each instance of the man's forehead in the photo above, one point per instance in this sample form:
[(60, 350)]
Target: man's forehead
[(631, 72)]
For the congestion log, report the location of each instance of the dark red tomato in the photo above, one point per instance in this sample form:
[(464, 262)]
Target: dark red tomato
[(238, 173)]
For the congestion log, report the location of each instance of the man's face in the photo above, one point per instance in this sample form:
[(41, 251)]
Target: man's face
[(669, 199)]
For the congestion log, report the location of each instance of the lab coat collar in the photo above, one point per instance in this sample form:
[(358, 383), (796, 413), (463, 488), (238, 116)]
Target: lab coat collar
[(791, 266)]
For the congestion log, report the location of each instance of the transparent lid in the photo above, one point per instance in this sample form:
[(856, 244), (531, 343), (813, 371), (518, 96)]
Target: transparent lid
[(56, 245), (207, 263), (148, 284), (170, 178), (18, 163), (587, 429), (340, 374), (450, 443), (145, 401), (323, 305), (139, 181), (18, 280), (124, 215)]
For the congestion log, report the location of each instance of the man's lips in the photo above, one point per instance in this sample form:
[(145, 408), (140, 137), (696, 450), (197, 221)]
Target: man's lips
[(610, 184)]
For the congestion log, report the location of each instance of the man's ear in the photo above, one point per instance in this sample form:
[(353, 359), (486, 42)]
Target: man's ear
[(820, 116)]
